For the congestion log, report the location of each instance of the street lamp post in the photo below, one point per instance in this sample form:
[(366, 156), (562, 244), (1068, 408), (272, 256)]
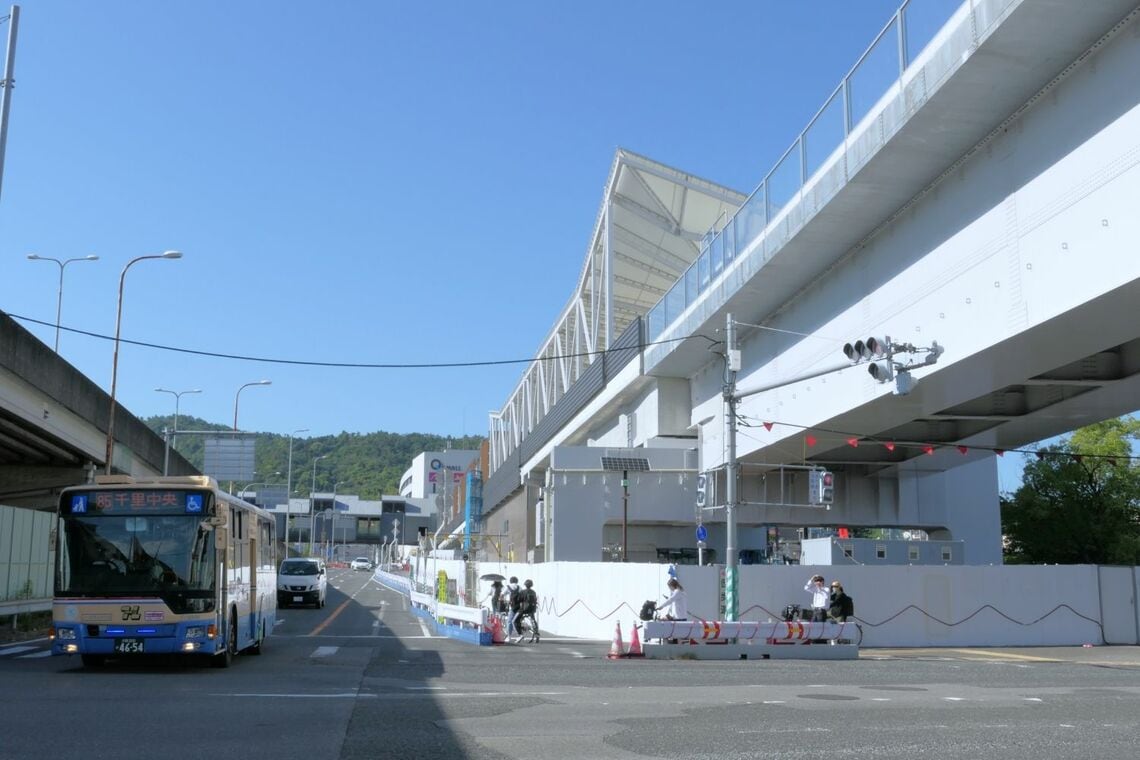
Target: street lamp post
[(59, 296), (168, 441), (313, 502), (237, 396), (337, 485), (110, 450), (289, 489), (177, 399)]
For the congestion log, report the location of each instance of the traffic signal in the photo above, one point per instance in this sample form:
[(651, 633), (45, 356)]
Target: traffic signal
[(821, 487), (871, 348)]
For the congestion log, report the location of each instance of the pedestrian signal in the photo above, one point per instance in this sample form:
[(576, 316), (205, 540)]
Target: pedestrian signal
[(821, 487)]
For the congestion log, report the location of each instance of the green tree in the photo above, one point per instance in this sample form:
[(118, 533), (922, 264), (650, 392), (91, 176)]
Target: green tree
[(1079, 502), (367, 464)]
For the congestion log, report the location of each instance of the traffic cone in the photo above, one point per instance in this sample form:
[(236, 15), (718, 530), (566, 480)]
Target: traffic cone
[(497, 636), (635, 644), (615, 646)]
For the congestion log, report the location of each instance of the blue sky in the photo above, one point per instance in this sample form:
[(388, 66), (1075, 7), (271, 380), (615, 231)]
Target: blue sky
[(368, 182)]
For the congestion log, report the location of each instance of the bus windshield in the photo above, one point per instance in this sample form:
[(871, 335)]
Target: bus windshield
[(168, 556)]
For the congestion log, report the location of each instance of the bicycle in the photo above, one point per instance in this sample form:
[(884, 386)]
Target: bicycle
[(527, 623)]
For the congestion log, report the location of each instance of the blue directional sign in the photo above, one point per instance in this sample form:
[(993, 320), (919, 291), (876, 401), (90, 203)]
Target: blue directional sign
[(702, 533)]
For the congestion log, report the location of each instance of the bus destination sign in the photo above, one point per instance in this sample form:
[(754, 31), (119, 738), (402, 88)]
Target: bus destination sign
[(136, 501)]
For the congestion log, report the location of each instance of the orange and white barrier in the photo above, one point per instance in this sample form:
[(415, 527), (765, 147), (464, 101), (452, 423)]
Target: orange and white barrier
[(747, 639)]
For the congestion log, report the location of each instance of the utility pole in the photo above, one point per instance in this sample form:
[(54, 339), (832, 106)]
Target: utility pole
[(732, 365), (6, 86), (879, 356)]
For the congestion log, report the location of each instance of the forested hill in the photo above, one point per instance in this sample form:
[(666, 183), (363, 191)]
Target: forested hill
[(368, 464)]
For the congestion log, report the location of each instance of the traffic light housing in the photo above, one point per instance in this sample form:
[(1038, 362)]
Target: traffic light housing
[(821, 487), (871, 348)]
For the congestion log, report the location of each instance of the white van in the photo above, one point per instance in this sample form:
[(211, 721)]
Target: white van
[(302, 580)]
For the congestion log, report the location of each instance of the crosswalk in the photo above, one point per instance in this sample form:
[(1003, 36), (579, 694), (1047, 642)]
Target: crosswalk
[(26, 650)]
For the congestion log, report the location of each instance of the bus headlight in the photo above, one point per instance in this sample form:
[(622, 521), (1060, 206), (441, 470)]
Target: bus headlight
[(195, 632), (65, 634)]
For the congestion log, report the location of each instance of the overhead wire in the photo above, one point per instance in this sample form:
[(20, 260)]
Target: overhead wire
[(351, 365)]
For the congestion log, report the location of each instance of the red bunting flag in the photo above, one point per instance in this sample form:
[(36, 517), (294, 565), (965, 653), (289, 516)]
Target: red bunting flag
[(928, 449), (1040, 454), (768, 425), (1112, 461), (810, 439), (853, 442), (963, 449), (1000, 452), (1078, 457), (890, 445)]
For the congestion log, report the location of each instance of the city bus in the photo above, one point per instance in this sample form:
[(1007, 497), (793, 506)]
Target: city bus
[(162, 565)]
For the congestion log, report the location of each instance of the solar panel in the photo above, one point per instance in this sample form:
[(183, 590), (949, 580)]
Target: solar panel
[(637, 464)]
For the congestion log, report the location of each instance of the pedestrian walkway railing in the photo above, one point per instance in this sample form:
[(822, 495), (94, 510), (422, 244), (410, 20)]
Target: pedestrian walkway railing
[(849, 112)]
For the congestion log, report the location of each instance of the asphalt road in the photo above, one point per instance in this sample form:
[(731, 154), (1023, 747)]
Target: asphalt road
[(363, 679)]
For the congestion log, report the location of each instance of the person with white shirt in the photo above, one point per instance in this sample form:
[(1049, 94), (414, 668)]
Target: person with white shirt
[(677, 603), (820, 598)]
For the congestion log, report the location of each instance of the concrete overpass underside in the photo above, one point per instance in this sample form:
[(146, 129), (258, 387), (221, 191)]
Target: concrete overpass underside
[(53, 423)]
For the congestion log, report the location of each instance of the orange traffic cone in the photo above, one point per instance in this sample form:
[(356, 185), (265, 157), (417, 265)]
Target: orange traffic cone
[(615, 647), (635, 644), (497, 636)]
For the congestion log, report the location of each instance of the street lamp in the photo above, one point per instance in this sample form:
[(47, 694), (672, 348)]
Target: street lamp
[(59, 297), (177, 399), (249, 486), (312, 500), (289, 489), (237, 396), (337, 485), (115, 359)]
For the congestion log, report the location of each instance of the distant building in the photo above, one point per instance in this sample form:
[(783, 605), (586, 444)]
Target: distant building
[(329, 520), (432, 470)]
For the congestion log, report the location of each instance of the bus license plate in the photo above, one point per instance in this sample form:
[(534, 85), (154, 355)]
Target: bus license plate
[(128, 646), (298, 599)]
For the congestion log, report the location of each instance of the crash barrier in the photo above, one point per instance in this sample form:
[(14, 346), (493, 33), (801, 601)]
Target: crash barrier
[(400, 583), (470, 624), (743, 640)]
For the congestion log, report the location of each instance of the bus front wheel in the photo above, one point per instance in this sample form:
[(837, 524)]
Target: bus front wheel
[(226, 658)]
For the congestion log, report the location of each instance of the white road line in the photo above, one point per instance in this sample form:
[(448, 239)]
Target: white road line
[(425, 688), (955, 699), (35, 656), (346, 695), (1034, 699), (880, 699), (324, 651), (424, 628), (14, 650)]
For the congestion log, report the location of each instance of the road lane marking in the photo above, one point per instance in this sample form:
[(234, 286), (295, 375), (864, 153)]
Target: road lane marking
[(424, 628), (14, 650), (324, 651), (1004, 655), (345, 695), (330, 618), (35, 656)]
